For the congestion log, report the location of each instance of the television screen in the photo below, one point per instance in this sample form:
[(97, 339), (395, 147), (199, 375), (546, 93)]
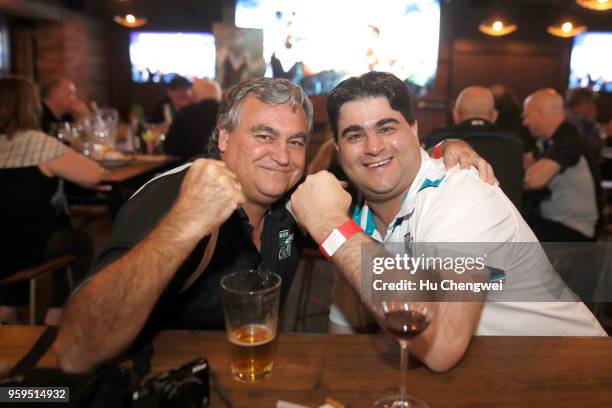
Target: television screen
[(591, 62), (4, 48), (318, 43), (158, 56)]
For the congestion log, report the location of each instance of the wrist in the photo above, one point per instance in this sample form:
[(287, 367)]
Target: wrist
[(320, 232), (338, 237), (179, 225)]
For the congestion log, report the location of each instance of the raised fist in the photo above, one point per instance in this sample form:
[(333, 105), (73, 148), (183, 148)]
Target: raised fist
[(209, 195), (320, 204)]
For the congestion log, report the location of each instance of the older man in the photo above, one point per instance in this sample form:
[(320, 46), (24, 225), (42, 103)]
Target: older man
[(60, 103), (160, 235), (566, 166), (140, 282), (410, 198)]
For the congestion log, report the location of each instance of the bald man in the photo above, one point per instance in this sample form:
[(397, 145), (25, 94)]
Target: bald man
[(474, 116), (475, 102), (566, 167)]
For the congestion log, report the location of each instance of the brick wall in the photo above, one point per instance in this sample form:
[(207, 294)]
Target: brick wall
[(75, 48)]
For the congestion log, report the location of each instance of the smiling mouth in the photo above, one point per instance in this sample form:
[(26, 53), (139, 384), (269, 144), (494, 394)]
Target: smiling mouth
[(378, 163), (275, 170)]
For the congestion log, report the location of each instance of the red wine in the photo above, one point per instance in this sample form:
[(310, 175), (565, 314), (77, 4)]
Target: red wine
[(405, 323)]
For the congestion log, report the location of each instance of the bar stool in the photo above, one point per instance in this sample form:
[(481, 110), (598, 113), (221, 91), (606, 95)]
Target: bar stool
[(310, 256), (37, 272)]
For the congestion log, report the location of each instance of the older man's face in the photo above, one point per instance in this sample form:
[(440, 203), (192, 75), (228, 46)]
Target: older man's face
[(533, 119), (64, 96), (267, 150)]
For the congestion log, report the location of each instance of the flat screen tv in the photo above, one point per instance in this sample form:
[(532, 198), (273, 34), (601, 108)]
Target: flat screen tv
[(4, 48), (591, 62), (317, 43), (159, 56)]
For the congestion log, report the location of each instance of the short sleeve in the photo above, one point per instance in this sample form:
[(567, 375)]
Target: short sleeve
[(51, 148), (138, 217), (32, 148), (565, 150)]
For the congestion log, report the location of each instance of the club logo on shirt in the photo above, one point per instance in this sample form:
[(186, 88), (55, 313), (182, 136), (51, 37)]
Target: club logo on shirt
[(408, 244), (285, 239)]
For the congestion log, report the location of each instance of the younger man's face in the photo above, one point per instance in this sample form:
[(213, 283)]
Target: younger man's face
[(377, 148)]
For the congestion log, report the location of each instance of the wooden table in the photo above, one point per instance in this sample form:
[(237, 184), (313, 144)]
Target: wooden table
[(119, 182), (135, 168), (358, 369)]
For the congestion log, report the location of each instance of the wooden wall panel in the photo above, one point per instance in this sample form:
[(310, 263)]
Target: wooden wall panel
[(523, 66)]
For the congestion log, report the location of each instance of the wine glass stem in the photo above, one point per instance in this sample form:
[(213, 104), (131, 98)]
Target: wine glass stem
[(403, 371)]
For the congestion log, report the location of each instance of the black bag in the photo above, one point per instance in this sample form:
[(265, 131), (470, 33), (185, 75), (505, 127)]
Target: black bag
[(112, 386), (108, 386)]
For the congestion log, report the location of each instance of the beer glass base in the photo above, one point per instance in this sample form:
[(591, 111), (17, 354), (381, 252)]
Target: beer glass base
[(249, 378), (395, 402)]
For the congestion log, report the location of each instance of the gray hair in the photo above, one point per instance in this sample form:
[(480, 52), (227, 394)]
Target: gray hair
[(267, 90)]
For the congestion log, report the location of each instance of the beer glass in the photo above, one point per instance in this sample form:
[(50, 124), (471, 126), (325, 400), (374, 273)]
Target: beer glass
[(250, 305)]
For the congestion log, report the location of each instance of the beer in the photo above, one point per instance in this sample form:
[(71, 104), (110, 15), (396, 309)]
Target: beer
[(253, 348), (250, 306)]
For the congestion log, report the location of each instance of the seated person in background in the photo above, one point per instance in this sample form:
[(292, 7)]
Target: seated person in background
[(60, 103), (581, 111), (30, 164), (191, 128), (566, 166), (178, 95), (237, 205), (411, 198), (474, 116), (508, 107)]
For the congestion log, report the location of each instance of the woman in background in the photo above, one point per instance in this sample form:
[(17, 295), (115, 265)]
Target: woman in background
[(31, 164)]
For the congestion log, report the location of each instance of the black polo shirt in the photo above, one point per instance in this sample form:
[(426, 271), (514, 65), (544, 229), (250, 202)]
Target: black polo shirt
[(199, 307), (48, 119)]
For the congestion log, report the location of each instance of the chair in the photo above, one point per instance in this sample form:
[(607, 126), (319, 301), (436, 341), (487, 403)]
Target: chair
[(503, 151), (309, 256), (37, 272)]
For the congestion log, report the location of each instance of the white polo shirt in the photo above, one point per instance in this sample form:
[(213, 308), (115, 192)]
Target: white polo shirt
[(445, 206)]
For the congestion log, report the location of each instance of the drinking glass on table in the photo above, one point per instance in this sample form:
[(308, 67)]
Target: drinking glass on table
[(404, 320), (250, 305), (153, 138)]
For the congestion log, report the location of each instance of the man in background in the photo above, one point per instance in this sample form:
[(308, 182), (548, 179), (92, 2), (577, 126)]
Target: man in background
[(191, 128), (178, 95), (474, 116), (581, 110), (566, 166), (60, 103)]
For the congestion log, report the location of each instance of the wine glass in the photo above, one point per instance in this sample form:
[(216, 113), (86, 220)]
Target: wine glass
[(404, 320)]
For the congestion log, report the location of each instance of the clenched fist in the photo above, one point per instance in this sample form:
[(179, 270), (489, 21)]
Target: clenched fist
[(320, 204), (209, 195)]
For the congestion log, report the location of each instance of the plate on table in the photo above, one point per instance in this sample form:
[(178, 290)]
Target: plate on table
[(114, 159)]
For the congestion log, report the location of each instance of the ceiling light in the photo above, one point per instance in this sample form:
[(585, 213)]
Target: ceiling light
[(595, 4), (130, 20), (566, 29), (497, 27)]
